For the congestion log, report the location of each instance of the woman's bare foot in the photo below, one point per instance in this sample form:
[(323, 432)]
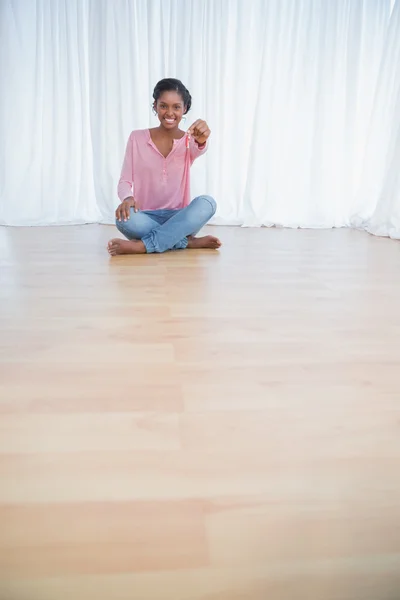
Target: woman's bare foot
[(208, 241), (117, 246)]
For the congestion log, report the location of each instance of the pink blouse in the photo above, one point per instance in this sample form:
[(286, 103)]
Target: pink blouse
[(157, 182)]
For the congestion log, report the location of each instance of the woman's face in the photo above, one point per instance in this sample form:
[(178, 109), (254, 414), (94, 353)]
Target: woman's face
[(170, 109)]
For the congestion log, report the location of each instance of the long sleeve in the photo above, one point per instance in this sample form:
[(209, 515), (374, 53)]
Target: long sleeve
[(195, 151), (125, 183)]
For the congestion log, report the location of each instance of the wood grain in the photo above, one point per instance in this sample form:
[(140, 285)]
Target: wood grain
[(199, 425)]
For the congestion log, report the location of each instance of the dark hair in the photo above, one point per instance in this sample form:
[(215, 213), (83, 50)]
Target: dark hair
[(173, 85)]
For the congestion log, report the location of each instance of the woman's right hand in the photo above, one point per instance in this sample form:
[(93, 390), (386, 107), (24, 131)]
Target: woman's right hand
[(124, 209)]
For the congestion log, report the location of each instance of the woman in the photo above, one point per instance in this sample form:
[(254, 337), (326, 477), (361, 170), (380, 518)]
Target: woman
[(159, 216)]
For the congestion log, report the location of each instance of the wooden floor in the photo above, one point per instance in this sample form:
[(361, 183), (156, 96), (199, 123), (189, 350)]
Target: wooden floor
[(200, 425)]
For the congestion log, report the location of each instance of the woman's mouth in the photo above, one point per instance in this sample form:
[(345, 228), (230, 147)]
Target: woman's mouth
[(169, 120)]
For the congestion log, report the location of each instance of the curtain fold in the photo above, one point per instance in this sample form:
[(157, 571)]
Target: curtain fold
[(302, 97)]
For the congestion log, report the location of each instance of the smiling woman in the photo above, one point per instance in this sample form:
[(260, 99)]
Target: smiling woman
[(171, 101), (155, 213)]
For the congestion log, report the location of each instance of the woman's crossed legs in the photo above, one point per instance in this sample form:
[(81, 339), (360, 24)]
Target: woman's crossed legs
[(162, 230)]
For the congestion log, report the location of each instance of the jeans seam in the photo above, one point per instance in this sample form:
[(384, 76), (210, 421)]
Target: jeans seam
[(213, 206)]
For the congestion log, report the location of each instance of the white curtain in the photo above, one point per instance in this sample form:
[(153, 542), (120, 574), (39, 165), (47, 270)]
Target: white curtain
[(302, 96)]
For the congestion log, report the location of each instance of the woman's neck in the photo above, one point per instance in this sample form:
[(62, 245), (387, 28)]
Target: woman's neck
[(169, 133)]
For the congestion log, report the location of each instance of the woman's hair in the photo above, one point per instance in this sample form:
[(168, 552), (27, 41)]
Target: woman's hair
[(173, 85)]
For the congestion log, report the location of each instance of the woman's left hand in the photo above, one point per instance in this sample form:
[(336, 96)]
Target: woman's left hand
[(200, 131)]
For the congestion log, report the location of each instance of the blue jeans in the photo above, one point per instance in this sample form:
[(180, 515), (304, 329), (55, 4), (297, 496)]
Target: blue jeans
[(162, 230)]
